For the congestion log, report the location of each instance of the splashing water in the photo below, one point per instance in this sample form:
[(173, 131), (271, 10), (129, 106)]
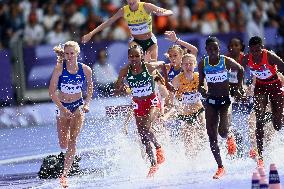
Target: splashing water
[(111, 159)]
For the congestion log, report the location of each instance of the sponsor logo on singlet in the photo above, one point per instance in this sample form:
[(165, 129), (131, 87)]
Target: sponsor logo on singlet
[(217, 77), (145, 90), (190, 98)]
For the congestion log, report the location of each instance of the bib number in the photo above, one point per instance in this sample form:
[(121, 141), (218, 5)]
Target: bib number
[(264, 74), (216, 77), (190, 98), (142, 91)]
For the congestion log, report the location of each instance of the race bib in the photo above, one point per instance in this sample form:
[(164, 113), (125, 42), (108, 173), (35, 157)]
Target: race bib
[(190, 98), (264, 74), (137, 29), (217, 77), (142, 91), (233, 77), (71, 88)]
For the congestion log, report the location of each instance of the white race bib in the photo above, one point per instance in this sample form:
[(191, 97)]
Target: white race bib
[(217, 77), (264, 74), (71, 88), (233, 77), (137, 29), (142, 91), (190, 98)]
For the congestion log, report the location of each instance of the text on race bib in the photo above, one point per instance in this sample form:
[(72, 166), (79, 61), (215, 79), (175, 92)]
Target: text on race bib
[(137, 29), (217, 77), (71, 88), (190, 98), (142, 91), (264, 74)]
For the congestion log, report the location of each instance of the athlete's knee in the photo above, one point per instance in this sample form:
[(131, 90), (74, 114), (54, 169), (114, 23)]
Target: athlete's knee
[(223, 132)]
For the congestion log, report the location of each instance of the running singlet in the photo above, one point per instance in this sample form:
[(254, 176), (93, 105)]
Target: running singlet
[(71, 83), (187, 90), (263, 70), (217, 73), (141, 84), (139, 21), (172, 73)]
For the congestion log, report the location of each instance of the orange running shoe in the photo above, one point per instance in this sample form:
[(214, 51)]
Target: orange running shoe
[(219, 173), (232, 146), (160, 156), (260, 163), (252, 153), (63, 182), (152, 171)]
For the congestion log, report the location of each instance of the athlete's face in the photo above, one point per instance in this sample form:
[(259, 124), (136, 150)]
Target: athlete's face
[(134, 56), (235, 46), (256, 50), (213, 50), (188, 64), (175, 56), (70, 54), (132, 3)]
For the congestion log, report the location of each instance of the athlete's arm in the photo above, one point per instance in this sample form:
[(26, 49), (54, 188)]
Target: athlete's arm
[(276, 60), (175, 83), (53, 86), (88, 74), (201, 88), (244, 62), (160, 65), (150, 8), (233, 65), (155, 65), (119, 84), (102, 26), (171, 35)]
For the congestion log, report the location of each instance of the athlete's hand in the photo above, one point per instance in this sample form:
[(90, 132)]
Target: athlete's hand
[(86, 108), (202, 91), (66, 112), (86, 38), (171, 36)]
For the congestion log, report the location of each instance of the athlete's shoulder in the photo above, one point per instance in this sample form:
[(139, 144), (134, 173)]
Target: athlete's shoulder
[(180, 75), (227, 58), (86, 67), (195, 74)]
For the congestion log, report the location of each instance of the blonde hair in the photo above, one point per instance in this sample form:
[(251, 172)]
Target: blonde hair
[(175, 47), (188, 55), (73, 44), (59, 49)]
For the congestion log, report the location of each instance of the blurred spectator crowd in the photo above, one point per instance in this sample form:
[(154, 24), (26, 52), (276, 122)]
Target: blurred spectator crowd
[(55, 21)]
